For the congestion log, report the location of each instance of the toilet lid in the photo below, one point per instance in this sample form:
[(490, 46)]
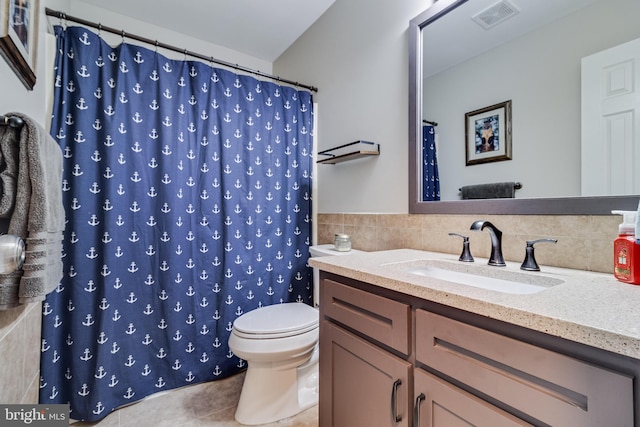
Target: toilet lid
[(277, 321)]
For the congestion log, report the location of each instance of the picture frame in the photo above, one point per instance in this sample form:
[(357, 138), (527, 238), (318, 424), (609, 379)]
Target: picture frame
[(488, 134), (19, 37)]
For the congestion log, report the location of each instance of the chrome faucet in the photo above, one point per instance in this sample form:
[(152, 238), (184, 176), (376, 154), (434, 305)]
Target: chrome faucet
[(496, 241)]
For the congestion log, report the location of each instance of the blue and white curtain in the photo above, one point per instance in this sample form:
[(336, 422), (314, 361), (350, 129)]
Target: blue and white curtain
[(187, 192), (430, 178)]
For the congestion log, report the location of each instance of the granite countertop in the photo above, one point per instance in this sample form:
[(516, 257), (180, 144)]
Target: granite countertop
[(591, 308)]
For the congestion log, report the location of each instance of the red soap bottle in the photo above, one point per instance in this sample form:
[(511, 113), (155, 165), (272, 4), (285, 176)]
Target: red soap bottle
[(626, 253)]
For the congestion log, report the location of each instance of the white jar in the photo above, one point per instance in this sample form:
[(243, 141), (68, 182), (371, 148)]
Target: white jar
[(342, 242)]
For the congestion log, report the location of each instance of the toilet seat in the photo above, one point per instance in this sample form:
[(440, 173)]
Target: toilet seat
[(276, 321)]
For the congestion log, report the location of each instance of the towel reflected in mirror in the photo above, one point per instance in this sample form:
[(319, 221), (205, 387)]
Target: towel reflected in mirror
[(495, 190)]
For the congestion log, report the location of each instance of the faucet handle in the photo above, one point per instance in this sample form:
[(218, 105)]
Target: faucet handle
[(465, 256), (529, 262)]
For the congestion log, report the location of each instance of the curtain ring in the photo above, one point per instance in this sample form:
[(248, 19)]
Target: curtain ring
[(122, 34), (156, 44), (99, 29), (185, 54)]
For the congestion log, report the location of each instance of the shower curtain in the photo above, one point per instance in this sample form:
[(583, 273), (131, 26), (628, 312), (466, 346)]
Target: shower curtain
[(187, 191), (430, 178)]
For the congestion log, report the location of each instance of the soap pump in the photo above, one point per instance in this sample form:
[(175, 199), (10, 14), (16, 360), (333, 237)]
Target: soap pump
[(626, 253)]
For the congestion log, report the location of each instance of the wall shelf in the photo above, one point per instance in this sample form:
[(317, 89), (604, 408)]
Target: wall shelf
[(350, 151)]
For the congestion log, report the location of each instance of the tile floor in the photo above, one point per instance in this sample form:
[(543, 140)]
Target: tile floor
[(211, 404)]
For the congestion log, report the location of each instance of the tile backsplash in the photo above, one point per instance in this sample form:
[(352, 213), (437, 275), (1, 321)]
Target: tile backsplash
[(584, 242)]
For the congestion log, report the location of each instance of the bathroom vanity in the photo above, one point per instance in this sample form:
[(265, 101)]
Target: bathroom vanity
[(401, 348)]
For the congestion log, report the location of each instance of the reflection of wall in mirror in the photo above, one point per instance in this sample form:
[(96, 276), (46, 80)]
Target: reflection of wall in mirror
[(540, 72)]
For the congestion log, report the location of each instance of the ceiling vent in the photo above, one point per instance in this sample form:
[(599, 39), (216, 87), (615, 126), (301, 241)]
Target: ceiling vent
[(495, 14)]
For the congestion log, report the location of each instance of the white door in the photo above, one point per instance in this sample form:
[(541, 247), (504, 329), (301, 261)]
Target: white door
[(611, 121)]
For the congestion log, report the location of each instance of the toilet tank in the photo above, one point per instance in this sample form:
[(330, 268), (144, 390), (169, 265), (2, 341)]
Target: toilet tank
[(319, 251)]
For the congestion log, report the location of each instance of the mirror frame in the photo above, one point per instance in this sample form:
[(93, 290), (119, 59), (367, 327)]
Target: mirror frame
[(535, 206)]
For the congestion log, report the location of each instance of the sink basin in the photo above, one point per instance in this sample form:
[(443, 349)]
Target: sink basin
[(490, 278)]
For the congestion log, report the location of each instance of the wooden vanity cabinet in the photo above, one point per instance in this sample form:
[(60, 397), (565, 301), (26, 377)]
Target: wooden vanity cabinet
[(389, 359)]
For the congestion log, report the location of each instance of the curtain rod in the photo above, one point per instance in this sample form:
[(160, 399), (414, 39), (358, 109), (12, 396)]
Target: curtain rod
[(156, 43)]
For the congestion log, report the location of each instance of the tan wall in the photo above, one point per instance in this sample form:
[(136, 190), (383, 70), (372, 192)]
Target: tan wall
[(584, 242), (20, 351)]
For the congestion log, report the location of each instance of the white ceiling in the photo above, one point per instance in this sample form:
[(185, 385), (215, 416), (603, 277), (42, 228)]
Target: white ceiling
[(263, 29), (463, 38)]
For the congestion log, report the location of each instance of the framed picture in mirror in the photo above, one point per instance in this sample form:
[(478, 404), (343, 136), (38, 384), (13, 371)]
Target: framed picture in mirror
[(19, 37), (488, 134)]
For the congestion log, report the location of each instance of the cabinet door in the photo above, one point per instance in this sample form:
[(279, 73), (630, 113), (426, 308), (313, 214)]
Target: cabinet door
[(441, 404), (361, 385)]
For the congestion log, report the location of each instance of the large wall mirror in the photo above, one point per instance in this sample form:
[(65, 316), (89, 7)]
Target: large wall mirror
[(532, 57)]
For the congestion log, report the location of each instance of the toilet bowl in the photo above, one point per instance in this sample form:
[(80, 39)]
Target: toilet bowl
[(280, 345)]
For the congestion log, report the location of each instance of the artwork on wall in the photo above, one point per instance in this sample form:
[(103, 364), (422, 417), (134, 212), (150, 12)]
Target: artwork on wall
[(19, 37), (488, 134)]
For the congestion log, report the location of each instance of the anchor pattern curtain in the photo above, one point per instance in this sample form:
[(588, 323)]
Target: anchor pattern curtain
[(188, 196), (430, 177)]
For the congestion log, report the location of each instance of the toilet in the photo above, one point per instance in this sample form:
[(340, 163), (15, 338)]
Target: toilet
[(280, 345)]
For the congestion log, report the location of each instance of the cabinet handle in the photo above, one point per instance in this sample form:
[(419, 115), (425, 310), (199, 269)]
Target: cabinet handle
[(416, 410), (394, 401)]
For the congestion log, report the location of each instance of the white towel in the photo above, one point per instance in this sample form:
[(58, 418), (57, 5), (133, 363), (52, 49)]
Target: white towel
[(37, 214)]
